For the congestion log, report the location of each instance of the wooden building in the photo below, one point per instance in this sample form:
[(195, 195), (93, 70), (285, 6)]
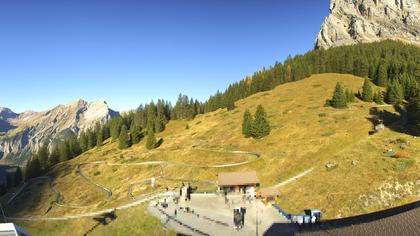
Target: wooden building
[(237, 181)]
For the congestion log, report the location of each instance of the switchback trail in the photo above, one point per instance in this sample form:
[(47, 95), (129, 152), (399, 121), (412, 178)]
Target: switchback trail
[(146, 198)]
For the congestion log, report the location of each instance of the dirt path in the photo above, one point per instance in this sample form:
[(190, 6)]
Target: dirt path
[(296, 177), (109, 192), (89, 214)]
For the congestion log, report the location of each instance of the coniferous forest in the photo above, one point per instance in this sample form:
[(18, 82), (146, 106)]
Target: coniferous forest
[(390, 64)]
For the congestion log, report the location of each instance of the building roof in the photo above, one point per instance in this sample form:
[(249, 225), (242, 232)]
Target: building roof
[(269, 192), (237, 178)]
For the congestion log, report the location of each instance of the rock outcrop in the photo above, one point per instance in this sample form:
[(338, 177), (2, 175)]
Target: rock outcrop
[(358, 21), (25, 132)]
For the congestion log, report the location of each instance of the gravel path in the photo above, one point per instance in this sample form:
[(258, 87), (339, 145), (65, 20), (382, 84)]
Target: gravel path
[(296, 177), (136, 202)]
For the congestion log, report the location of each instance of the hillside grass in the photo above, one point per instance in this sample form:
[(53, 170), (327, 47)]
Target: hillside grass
[(304, 135)]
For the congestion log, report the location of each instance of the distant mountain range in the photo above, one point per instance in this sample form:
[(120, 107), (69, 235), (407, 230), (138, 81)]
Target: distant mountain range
[(20, 134), (361, 21)]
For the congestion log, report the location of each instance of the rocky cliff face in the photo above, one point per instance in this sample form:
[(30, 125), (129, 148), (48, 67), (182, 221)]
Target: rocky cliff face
[(356, 21), (25, 132)]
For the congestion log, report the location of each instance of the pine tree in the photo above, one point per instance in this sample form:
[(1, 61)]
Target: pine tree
[(54, 157), (394, 93), (18, 176), (42, 156), (339, 99), (124, 140), (105, 131), (247, 124), (27, 170), (135, 133), (151, 140), (99, 136), (261, 126), (230, 103), (36, 169), (382, 76), (74, 146), (377, 98), (115, 127), (367, 93), (33, 168), (83, 141), (349, 96), (64, 152), (91, 139), (413, 112)]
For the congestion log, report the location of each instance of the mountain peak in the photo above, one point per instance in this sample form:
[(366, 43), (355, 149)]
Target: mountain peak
[(46, 126), (6, 113), (358, 21)]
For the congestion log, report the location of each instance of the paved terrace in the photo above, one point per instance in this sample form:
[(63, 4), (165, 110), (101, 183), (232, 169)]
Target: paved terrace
[(212, 216)]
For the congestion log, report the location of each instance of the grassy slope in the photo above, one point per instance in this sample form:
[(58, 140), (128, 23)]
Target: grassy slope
[(305, 134)]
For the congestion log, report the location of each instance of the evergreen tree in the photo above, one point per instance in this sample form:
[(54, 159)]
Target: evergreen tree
[(115, 127), (413, 111), (83, 141), (27, 170), (54, 157), (367, 92), (18, 176), (33, 168), (339, 99), (151, 140), (91, 138), (99, 136), (64, 152), (74, 146), (377, 98), (247, 124), (105, 131), (135, 133), (409, 85), (42, 156), (349, 96), (382, 76), (394, 93), (261, 126), (36, 169), (230, 103), (124, 140)]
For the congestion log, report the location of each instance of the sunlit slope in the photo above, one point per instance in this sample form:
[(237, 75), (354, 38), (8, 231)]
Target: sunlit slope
[(305, 134)]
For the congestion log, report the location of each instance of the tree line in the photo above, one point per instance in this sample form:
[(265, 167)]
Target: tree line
[(391, 64)]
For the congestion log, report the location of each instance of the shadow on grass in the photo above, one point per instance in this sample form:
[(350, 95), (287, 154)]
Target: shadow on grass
[(104, 220), (394, 121)]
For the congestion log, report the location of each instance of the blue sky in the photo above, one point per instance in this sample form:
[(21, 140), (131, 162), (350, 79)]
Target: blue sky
[(130, 52)]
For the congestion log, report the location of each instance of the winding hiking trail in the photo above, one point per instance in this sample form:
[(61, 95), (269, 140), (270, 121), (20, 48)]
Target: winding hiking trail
[(136, 201), (146, 197)]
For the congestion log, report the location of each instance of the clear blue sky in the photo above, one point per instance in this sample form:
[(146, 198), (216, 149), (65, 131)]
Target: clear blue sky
[(130, 52)]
